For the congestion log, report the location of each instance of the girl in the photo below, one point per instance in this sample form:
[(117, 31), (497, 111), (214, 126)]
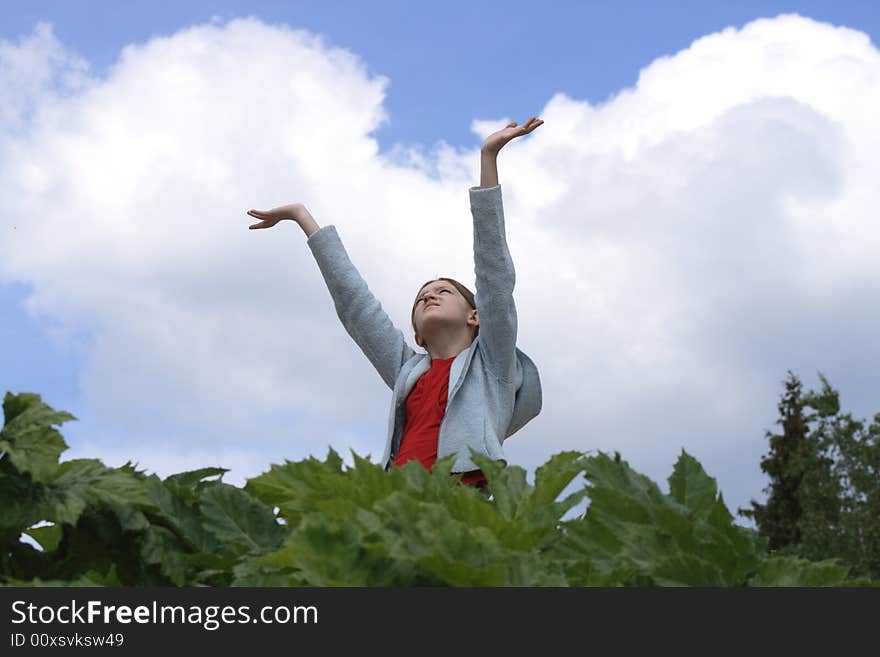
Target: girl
[(474, 387)]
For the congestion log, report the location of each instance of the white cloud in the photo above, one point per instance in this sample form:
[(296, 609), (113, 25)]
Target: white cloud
[(677, 247)]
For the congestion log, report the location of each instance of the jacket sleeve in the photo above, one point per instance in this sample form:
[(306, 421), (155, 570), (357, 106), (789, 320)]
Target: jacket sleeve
[(360, 312), (495, 278)]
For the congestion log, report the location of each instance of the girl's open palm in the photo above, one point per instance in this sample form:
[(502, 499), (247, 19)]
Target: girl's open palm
[(269, 218), (496, 141)]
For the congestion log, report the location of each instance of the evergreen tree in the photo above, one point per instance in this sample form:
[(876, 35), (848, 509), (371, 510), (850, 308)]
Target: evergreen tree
[(824, 494), (779, 520)]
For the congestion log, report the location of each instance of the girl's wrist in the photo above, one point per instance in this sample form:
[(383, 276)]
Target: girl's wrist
[(307, 222), (488, 168)]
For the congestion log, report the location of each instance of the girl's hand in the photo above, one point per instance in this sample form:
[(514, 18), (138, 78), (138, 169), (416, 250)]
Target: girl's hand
[(496, 141), (271, 217)]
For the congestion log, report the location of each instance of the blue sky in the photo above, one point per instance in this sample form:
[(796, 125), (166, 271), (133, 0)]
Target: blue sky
[(448, 61), (452, 70)]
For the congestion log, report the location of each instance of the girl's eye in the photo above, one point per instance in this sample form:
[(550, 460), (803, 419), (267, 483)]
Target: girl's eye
[(423, 298)]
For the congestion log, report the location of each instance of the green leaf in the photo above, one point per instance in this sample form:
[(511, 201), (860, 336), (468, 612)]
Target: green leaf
[(28, 408), (191, 478), (188, 520), (254, 571), (34, 451), (28, 439), (690, 486), (306, 486), (23, 504), (328, 551), (552, 477), (235, 517), (631, 523), (293, 479), (508, 484), (82, 482), (162, 548), (97, 578), (793, 571), (540, 512), (189, 486), (47, 536)]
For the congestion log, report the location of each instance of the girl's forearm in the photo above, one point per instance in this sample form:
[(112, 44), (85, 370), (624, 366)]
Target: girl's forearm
[(307, 222), (488, 168)]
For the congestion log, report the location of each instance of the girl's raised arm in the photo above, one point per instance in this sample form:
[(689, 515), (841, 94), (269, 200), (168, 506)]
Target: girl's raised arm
[(360, 312), (495, 274)]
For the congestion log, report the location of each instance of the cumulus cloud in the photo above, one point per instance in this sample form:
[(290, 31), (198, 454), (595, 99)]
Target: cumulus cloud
[(677, 247)]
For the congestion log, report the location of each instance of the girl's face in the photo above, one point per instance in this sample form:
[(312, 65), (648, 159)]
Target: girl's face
[(441, 302)]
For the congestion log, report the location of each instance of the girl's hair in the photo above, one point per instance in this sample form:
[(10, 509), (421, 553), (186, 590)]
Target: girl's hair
[(466, 293)]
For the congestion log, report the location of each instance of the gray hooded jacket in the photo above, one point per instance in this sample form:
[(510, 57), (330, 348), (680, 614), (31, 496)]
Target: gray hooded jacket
[(494, 388)]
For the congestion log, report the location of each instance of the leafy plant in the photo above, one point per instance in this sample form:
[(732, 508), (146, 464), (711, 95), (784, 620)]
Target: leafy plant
[(320, 523)]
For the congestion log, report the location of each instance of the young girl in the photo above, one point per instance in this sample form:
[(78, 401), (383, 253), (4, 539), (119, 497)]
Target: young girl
[(474, 387)]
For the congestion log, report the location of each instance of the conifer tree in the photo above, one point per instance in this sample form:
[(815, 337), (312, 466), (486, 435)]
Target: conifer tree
[(779, 519), (824, 493)]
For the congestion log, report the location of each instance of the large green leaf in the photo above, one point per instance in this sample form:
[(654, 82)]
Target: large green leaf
[(793, 571), (162, 548), (22, 502), (34, 450), (82, 482), (690, 486), (682, 539), (508, 484), (188, 486), (236, 518), (293, 479), (27, 437), (255, 571), (27, 408), (191, 478), (329, 551), (552, 477), (188, 520)]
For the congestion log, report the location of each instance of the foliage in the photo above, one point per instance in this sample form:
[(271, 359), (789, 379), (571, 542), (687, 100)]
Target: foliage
[(834, 480), (319, 523), (791, 456)]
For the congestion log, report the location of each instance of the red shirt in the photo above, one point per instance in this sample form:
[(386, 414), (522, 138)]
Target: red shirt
[(425, 408)]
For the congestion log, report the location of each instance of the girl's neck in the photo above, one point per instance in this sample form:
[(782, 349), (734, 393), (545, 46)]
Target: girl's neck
[(445, 346)]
